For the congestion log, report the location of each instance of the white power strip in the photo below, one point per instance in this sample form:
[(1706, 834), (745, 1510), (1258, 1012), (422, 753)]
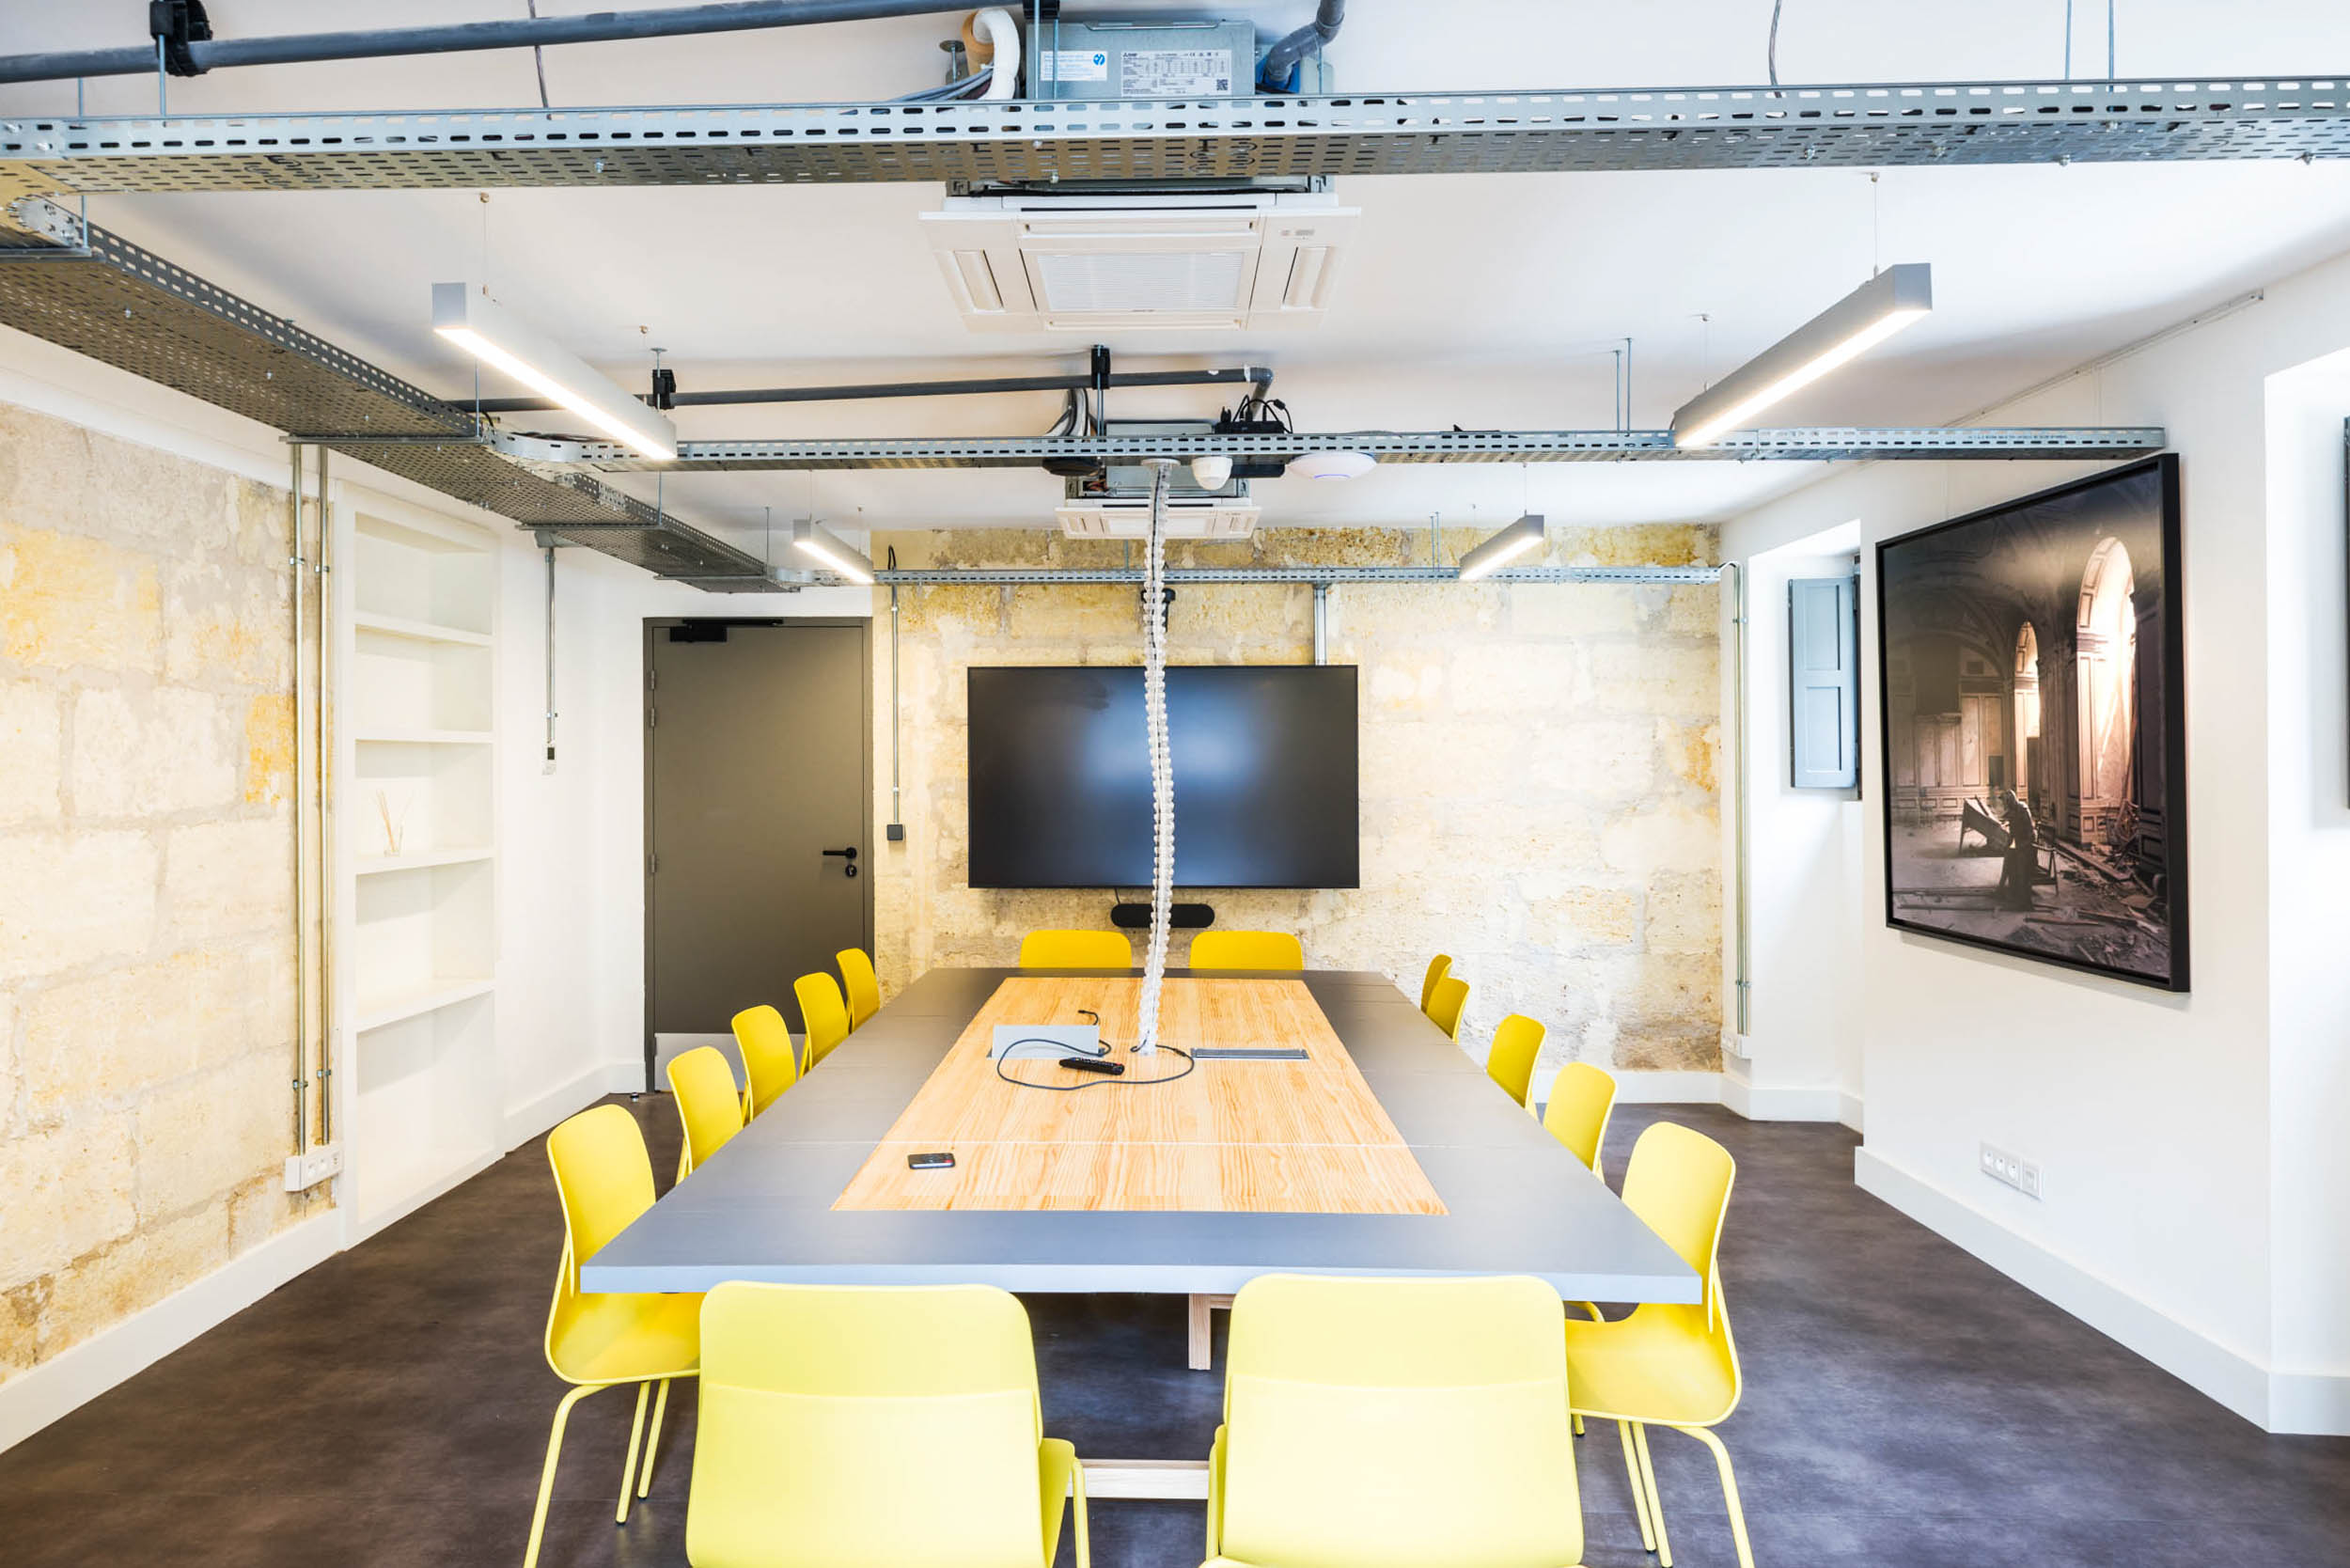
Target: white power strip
[(312, 1165)]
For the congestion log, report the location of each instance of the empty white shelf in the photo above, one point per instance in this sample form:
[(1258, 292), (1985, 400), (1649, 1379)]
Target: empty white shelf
[(370, 864), (376, 1011), (418, 631)]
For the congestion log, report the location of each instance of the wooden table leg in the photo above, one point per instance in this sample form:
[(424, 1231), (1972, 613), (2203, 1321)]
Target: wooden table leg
[(1201, 1336)]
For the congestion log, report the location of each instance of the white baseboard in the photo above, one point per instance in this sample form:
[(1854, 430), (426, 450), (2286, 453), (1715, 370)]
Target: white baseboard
[(1848, 1111), (535, 1116), (74, 1377), (1770, 1103), (2311, 1402)]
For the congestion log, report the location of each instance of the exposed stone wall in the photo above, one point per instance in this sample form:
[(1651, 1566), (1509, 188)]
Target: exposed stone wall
[(145, 867), (1538, 793)]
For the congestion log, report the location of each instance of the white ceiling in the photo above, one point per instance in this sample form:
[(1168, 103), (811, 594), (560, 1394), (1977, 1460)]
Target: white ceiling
[(1484, 301)]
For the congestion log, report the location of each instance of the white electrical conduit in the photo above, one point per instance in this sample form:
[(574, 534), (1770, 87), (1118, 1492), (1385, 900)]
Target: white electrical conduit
[(1002, 33), (1162, 760)]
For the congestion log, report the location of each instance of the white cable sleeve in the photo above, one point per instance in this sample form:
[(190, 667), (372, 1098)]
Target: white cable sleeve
[(1162, 760), (1002, 31)]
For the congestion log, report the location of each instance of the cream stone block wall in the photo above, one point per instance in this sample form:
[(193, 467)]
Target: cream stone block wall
[(1538, 788), (145, 878)]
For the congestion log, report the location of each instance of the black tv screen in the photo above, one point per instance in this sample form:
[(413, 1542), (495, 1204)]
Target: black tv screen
[(1265, 777)]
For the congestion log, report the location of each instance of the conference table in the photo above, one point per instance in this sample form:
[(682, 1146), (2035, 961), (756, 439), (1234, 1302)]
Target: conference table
[(1377, 1147)]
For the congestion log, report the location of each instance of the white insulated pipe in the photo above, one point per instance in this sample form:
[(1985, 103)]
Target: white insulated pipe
[(1001, 31)]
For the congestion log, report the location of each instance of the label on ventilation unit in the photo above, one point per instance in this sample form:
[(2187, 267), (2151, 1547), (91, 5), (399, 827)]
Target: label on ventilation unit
[(1077, 65), (1175, 73)]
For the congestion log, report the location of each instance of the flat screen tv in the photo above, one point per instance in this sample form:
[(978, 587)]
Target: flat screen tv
[(1265, 777)]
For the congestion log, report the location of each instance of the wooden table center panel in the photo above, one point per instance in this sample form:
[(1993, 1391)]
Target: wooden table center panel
[(1233, 1136)]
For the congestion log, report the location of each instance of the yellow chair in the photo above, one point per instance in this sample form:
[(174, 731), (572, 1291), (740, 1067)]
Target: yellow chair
[(844, 1427), (1450, 1000), (1076, 950), (768, 1058), (708, 1103), (1510, 1061), (1665, 1365), (604, 1180), (1438, 968), (1581, 1098), (825, 1013), (859, 984), (1246, 949), (1392, 1423)]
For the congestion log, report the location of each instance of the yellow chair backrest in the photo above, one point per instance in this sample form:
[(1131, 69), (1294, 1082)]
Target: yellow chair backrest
[(708, 1101), (604, 1178), (1438, 968), (1450, 1000), (1509, 1062), (1678, 1181), (766, 1041), (845, 1425), (1076, 950), (1246, 949), (1581, 1098), (859, 985), (1380, 1423), (825, 1013)]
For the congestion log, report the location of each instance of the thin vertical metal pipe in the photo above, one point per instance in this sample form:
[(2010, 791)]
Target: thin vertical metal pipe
[(322, 768), (897, 804), (1743, 985), (550, 765), (1321, 623), (301, 954)]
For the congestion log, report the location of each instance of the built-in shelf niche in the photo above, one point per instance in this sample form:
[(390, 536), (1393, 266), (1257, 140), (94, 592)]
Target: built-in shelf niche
[(416, 812)]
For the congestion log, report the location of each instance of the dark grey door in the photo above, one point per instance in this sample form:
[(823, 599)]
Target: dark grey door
[(758, 751)]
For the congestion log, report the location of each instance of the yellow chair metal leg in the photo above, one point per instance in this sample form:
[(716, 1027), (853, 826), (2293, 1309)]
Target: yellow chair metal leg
[(1655, 1497), (1639, 1491), (660, 1408), (1729, 1492), (628, 1465), (546, 1473), (1578, 1426)]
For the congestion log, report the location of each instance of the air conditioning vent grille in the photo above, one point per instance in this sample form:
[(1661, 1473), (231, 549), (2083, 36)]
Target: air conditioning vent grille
[(1145, 282)]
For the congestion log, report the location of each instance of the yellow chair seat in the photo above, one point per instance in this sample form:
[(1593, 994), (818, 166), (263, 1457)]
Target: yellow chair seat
[(611, 1337), (1655, 1366), (1055, 1466)]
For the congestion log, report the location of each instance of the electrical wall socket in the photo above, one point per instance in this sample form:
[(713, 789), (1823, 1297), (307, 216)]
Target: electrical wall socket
[(2012, 1169), (307, 1169)]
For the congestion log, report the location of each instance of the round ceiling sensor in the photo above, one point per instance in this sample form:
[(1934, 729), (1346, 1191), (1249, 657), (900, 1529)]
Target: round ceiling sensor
[(1333, 465)]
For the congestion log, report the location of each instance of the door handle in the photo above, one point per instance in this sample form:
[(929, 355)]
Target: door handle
[(850, 854)]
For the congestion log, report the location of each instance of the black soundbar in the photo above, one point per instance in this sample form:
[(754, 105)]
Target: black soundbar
[(1183, 917)]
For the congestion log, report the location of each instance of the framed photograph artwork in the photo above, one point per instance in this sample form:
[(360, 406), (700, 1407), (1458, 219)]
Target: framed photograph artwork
[(2033, 731)]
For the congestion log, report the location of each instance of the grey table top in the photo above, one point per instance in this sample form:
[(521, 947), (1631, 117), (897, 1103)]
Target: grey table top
[(761, 1207)]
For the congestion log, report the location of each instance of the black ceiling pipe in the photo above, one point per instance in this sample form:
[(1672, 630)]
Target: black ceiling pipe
[(1255, 375), (519, 33)]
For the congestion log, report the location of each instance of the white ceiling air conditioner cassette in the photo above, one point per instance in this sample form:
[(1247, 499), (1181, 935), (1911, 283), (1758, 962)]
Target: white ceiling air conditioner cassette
[(1128, 516), (1019, 263)]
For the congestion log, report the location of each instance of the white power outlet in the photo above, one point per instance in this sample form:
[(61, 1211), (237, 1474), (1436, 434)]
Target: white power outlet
[(2012, 1169), (311, 1166)]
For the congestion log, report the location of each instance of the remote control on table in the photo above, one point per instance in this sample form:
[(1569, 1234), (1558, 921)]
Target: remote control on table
[(1093, 1064)]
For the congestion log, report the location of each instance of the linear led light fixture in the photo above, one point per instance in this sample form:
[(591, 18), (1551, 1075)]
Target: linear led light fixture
[(1497, 551), (464, 316), (818, 543), (1836, 336)]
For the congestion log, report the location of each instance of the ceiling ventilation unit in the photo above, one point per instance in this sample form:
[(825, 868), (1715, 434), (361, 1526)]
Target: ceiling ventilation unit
[(1019, 264), (1128, 516)]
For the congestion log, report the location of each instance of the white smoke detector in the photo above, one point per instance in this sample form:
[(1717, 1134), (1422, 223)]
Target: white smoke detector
[(1331, 466)]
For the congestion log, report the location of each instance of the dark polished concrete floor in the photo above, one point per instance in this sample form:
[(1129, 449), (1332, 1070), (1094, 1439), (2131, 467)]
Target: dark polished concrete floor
[(1905, 1406)]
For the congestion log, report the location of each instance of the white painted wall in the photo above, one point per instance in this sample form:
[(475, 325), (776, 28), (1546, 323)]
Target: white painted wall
[(1804, 847), (2185, 1211)]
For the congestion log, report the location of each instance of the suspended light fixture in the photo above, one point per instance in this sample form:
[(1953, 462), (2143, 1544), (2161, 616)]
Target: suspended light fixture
[(1332, 466), (1836, 336), (818, 543), (1521, 538), (464, 316)]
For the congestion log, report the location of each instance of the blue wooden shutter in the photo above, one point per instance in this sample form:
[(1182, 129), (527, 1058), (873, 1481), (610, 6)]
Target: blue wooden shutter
[(1824, 670)]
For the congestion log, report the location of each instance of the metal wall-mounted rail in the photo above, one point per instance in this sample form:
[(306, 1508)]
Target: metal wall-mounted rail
[(1318, 576), (1852, 126), (1831, 444)]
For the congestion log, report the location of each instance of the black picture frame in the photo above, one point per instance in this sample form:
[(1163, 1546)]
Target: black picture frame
[(1960, 608)]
